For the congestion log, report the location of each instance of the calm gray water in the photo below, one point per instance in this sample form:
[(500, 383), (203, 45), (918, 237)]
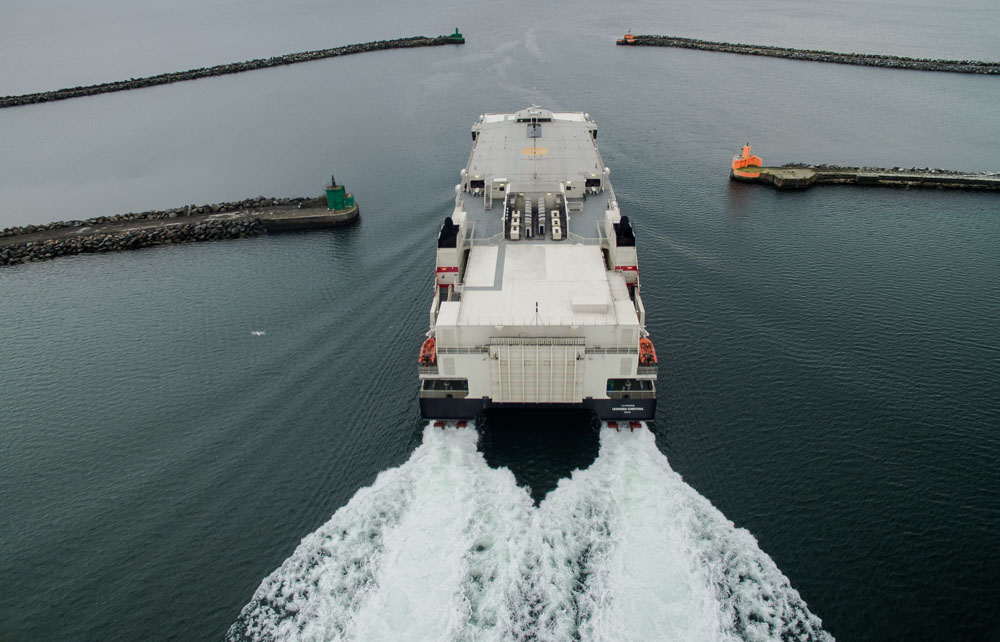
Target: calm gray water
[(830, 358)]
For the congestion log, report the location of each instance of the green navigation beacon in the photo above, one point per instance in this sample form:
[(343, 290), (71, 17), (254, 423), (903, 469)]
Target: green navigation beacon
[(337, 198)]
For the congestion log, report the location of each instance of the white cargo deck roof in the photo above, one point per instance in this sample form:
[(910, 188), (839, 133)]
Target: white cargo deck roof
[(569, 283), (564, 150)]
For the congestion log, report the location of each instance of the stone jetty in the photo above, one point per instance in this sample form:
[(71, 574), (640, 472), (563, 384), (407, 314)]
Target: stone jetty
[(866, 60), (230, 68), (185, 224), (798, 176)]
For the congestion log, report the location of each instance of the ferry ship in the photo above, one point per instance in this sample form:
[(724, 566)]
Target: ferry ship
[(536, 298)]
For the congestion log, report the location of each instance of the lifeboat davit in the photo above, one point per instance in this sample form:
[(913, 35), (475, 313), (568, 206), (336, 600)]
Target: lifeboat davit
[(647, 353), (428, 352)]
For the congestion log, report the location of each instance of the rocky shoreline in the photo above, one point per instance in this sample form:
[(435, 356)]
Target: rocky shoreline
[(217, 221), (220, 70), (866, 60)]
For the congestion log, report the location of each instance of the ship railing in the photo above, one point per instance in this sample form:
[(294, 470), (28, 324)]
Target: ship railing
[(435, 306), (489, 240), (463, 350), (646, 370), (603, 242), (632, 394), (427, 370), (612, 199), (640, 309), (576, 238), (613, 350)]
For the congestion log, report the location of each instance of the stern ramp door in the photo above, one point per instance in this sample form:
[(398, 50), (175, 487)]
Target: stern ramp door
[(544, 370)]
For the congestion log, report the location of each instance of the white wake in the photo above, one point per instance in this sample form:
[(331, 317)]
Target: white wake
[(446, 548)]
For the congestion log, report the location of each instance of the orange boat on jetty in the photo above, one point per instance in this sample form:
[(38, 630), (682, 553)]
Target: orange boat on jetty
[(629, 39), (746, 166)]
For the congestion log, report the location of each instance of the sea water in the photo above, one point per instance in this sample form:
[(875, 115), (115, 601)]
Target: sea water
[(829, 358), (445, 547)]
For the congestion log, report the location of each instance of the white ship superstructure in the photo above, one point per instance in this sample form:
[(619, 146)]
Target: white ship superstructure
[(536, 295)]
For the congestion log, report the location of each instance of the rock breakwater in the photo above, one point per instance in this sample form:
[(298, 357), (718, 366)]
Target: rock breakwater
[(800, 176), (217, 221), (866, 60), (220, 70), (129, 239), (244, 206)]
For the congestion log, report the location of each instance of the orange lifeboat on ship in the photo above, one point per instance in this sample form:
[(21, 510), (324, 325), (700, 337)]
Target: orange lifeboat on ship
[(647, 353), (745, 166), (428, 352)]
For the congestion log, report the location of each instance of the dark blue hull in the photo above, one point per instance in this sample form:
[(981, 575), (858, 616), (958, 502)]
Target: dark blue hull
[(637, 409)]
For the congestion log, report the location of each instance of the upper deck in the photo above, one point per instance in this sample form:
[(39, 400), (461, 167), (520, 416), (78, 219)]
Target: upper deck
[(539, 165), (535, 146), (536, 239)]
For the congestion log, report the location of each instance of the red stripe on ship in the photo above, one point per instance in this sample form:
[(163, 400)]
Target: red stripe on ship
[(631, 268), (447, 269)]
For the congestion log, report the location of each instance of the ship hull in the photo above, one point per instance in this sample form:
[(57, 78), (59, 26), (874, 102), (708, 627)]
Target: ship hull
[(638, 409)]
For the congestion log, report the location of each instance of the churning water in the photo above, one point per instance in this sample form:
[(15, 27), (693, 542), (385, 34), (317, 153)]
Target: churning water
[(444, 547)]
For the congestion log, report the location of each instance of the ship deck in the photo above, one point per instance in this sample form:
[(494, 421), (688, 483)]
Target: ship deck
[(536, 153), (581, 227), (540, 280), (543, 284)]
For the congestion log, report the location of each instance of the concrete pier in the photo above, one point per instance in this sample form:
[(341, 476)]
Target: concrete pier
[(803, 176), (308, 218), (865, 60), (31, 243)]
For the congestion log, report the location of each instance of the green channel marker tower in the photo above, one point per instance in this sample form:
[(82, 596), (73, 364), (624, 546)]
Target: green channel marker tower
[(457, 38), (337, 198)]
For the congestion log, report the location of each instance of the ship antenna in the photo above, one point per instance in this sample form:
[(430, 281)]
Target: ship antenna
[(538, 318)]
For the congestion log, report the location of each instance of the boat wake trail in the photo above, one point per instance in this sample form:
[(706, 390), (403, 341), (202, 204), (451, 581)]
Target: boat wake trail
[(446, 548), (654, 560)]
